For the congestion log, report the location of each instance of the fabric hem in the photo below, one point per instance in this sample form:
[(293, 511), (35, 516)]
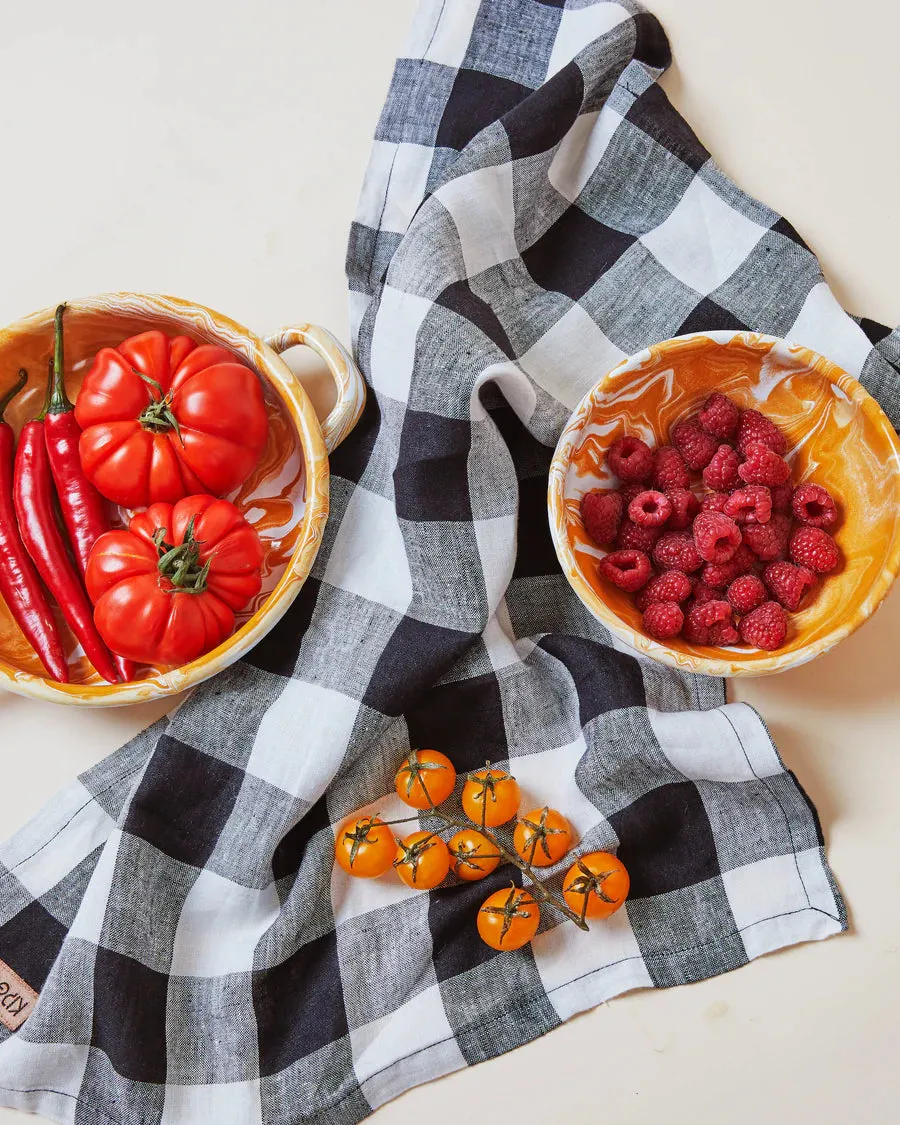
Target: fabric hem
[(594, 988)]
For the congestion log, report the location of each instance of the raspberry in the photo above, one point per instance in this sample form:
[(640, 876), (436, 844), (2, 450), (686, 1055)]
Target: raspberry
[(704, 593), (601, 513), (752, 504), (756, 427), (813, 505), (720, 416), (629, 491), (813, 547), (710, 623), (720, 575), (781, 496), (684, 507), (663, 620), (768, 541), (669, 469), (714, 502), (676, 551), (763, 466), (696, 446), (650, 509), (721, 473), (670, 586), (630, 459), (788, 583), (717, 537), (631, 537), (746, 593), (629, 570), (765, 627)]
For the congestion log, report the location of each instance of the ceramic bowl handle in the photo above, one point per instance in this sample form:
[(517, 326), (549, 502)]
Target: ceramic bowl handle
[(351, 389)]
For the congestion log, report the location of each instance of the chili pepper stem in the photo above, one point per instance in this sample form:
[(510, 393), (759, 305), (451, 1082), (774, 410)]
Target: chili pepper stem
[(20, 382), (58, 401)]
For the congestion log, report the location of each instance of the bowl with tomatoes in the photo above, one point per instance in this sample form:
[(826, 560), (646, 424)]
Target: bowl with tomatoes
[(164, 484)]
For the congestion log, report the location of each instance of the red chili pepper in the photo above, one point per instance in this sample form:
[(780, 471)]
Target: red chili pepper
[(83, 508), (33, 499), (19, 582)]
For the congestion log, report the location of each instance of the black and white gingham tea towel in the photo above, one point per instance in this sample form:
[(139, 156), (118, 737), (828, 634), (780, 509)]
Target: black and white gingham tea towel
[(534, 210)]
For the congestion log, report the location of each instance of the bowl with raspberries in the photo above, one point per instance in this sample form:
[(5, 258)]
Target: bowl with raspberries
[(728, 503)]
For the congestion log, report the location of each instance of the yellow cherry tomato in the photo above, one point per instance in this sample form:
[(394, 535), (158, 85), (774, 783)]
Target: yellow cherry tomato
[(542, 837), (509, 919), (596, 885), (365, 847), (490, 797), (422, 860), (472, 856), (425, 779)]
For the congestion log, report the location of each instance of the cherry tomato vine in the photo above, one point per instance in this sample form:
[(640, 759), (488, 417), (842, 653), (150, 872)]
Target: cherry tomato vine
[(594, 887)]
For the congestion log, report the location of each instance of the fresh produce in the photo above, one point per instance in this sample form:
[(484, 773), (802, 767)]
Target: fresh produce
[(732, 559), (472, 855), (508, 919), (166, 590), (490, 797), (365, 847), (426, 778), (34, 503), (164, 418), (542, 837), (20, 585), (596, 885), (83, 509), (422, 860)]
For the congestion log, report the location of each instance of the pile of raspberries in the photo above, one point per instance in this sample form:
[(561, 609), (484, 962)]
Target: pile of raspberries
[(730, 557)]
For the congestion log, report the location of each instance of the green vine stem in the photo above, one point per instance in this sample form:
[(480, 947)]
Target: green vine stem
[(537, 886)]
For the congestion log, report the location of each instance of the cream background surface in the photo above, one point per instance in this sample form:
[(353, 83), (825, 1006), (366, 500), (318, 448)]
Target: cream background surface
[(157, 148)]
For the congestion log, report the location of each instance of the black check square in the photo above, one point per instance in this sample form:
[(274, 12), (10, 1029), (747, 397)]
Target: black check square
[(476, 101), (183, 801), (574, 253), (309, 981)]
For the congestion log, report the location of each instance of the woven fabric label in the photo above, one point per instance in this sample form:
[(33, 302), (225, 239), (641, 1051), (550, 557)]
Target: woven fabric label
[(17, 999)]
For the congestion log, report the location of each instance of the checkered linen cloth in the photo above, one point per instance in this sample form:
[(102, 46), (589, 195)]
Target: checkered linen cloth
[(534, 210)]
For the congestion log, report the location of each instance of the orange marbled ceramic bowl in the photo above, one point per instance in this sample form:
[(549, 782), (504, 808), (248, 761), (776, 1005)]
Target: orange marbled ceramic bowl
[(286, 498), (838, 435)]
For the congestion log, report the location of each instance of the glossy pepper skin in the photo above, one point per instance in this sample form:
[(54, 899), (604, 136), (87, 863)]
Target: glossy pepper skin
[(33, 498), (164, 418), (20, 585), (83, 509)]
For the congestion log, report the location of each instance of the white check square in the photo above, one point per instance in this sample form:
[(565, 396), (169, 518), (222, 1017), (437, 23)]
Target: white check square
[(704, 240), (298, 737), (824, 326), (393, 354), (571, 357), (235, 1102), (220, 926), (369, 555), (419, 1023), (481, 205)]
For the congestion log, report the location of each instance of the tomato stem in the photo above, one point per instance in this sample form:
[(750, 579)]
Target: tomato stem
[(537, 886), (181, 564), (157, 417)]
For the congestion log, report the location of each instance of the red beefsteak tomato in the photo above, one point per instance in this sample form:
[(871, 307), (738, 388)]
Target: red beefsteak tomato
[(166, 590), (163, 418)]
